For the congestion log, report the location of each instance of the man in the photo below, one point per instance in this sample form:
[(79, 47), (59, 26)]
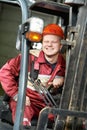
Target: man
[(50, 65)]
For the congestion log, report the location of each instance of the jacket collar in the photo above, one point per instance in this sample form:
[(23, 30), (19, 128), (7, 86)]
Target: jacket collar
[(41, 58)]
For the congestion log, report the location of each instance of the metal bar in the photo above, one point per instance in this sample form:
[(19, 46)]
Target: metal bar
[(10, 1), (74, 73), (47, 94), (43, 117), (23, 71), (53, 8), (47, 97), (78, 84), (75, 81), (37, 88), (24, 65)]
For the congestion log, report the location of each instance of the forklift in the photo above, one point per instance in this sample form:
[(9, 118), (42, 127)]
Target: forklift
[(71, 112)]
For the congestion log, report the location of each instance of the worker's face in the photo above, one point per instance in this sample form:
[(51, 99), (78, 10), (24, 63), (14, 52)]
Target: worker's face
[(51, 45)]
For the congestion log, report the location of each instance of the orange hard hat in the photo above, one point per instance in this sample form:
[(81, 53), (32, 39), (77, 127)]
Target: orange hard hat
[(53, 29)]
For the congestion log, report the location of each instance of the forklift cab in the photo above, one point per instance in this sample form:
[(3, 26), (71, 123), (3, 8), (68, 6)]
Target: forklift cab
[(63, 13)]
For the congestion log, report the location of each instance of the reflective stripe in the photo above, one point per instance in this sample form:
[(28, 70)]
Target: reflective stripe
[(15, 97), (25, 119), (31, 87), (44, 79)]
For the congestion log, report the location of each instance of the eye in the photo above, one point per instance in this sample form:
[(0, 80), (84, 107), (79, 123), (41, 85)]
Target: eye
[(45, 41), (54, 42)]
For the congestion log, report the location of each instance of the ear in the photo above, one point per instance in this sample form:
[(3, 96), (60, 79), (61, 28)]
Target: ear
[(61, 46)]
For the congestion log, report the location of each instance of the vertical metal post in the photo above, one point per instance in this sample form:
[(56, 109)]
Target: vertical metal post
[(23, 72)]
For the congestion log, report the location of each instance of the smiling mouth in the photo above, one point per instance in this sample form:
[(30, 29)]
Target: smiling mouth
[(49, 48)]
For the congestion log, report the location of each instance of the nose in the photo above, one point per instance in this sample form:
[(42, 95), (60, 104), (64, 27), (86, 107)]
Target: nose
[(49, 43)]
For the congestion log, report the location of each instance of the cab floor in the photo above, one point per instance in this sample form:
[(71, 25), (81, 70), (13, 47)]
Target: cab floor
[(6, 126)]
